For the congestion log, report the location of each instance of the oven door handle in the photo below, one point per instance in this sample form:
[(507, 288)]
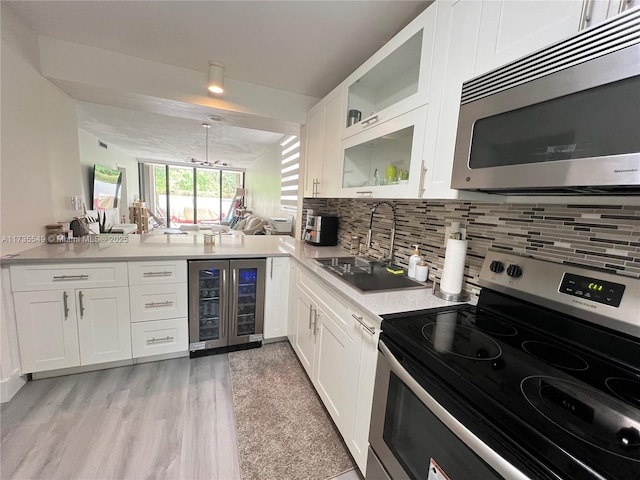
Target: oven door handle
[(480, 448)]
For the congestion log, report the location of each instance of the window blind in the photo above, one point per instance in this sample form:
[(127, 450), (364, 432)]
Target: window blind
[(289, 173)]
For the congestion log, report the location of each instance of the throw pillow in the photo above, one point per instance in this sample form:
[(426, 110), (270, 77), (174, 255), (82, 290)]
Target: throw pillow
[(240, 225), (234, 221)]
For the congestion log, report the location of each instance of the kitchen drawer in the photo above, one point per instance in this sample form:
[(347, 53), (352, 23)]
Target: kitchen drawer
[(158, 302), (155, 273), (318, 292), (26, 278), (159, 337)]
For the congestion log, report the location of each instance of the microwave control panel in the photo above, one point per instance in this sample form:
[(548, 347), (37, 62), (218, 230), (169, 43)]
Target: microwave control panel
[(593, 289)]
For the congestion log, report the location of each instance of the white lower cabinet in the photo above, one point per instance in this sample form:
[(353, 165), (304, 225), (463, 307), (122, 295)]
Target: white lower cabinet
[(103, 325), (337, 346), (358, 440), (157, 302), (159, 337), (159, 307), (68, 328), (304, 340), (47, 330), (276, 301), (336, 371)]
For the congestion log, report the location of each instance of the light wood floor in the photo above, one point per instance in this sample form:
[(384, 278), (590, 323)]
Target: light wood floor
[(164, 420), (171, 419)]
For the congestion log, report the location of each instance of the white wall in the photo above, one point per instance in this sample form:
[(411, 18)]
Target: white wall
[(40, 165), (91, 153), (262, 181)]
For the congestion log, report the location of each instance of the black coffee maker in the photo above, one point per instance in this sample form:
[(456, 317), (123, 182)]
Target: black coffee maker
[(321, 230)]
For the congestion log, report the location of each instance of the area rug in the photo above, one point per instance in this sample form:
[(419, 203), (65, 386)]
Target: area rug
[(284, 432)]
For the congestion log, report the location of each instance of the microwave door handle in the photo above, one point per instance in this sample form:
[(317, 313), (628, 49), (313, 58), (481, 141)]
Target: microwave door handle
[(480, 448)]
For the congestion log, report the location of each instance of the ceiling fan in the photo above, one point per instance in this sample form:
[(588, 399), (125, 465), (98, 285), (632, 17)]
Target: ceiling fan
[(207, 163)]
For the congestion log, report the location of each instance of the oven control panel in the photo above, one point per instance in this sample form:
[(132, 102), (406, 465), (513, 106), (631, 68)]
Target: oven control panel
[(589, 288)]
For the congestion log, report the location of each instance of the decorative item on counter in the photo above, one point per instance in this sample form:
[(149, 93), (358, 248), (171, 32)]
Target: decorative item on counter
[(453, 272), (413, 261), (355, 245), (210, 242), (421, 271), (55, 233), (79, 227), (102, 222)]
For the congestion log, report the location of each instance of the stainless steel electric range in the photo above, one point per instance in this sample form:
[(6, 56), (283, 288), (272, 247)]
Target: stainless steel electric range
[(539, 380)]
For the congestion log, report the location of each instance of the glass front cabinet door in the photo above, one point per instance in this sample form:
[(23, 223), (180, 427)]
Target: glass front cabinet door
[(395, 80), (387, 160)]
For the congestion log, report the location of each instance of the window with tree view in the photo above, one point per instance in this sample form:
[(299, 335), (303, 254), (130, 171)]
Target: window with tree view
[(179, 195)]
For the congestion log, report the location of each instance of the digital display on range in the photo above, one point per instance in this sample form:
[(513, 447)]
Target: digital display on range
[(593, 289)]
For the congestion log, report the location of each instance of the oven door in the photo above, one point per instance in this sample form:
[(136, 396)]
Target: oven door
[(413, 436)]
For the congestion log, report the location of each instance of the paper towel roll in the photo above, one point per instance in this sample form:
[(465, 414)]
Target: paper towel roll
[(453, 271)]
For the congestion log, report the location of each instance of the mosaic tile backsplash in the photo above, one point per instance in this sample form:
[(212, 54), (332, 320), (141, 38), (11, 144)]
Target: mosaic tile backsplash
[(601, 236)]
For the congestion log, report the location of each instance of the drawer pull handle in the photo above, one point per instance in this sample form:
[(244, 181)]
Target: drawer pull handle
[(168, 303), (68, 278), (156, 274), (166, 339), (371, 330)]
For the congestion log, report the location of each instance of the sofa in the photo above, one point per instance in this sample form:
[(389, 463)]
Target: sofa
[(249, 224)]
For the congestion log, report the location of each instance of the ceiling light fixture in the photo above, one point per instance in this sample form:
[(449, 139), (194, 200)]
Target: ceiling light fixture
[(216, 78)]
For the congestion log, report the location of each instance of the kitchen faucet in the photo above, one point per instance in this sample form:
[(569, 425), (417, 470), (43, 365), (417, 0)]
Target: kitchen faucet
[(389, 260)]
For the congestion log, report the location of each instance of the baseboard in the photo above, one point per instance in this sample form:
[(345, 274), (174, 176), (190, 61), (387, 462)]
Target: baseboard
[(164, 356), (274, 340), (104, 366), (10, 386)]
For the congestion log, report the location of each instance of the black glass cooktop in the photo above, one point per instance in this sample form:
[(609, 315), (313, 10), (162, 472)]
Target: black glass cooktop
[(561, 388)]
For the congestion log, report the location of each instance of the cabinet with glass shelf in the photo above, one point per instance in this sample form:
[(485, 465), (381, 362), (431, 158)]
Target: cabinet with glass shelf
[(395, 80), (386, 161)]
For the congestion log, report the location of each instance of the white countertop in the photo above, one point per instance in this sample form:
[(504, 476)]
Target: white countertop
[(112, 248)]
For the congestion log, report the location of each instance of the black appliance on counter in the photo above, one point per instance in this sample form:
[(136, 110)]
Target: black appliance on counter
[(226, 305), (540, 380), (321, 230)]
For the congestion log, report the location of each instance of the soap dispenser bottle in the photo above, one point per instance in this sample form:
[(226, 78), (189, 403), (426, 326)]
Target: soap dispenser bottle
[(413, 261)]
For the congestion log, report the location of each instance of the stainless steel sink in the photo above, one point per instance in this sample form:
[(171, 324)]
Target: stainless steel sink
[(367, 275)]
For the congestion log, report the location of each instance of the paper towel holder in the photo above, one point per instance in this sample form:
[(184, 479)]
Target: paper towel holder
[(449, 297)]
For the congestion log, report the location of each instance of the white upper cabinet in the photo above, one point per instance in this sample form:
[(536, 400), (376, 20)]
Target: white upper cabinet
[(322, 156), (395, 80), (453, 59), (314, 138), (512, 29), (597, 11), (386, 160)]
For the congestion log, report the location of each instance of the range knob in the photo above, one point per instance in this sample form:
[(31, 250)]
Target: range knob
[(496, 266), (514, 271)]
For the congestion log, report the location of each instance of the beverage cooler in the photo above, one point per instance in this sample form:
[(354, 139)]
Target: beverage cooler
[(226, 305)]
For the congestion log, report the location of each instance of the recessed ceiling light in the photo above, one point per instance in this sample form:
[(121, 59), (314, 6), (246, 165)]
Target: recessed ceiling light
[(215, 118)]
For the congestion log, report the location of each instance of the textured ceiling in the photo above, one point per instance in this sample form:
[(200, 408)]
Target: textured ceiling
[(160, 137)]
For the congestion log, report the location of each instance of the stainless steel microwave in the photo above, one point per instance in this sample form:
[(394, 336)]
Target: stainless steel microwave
[(563, 120)]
